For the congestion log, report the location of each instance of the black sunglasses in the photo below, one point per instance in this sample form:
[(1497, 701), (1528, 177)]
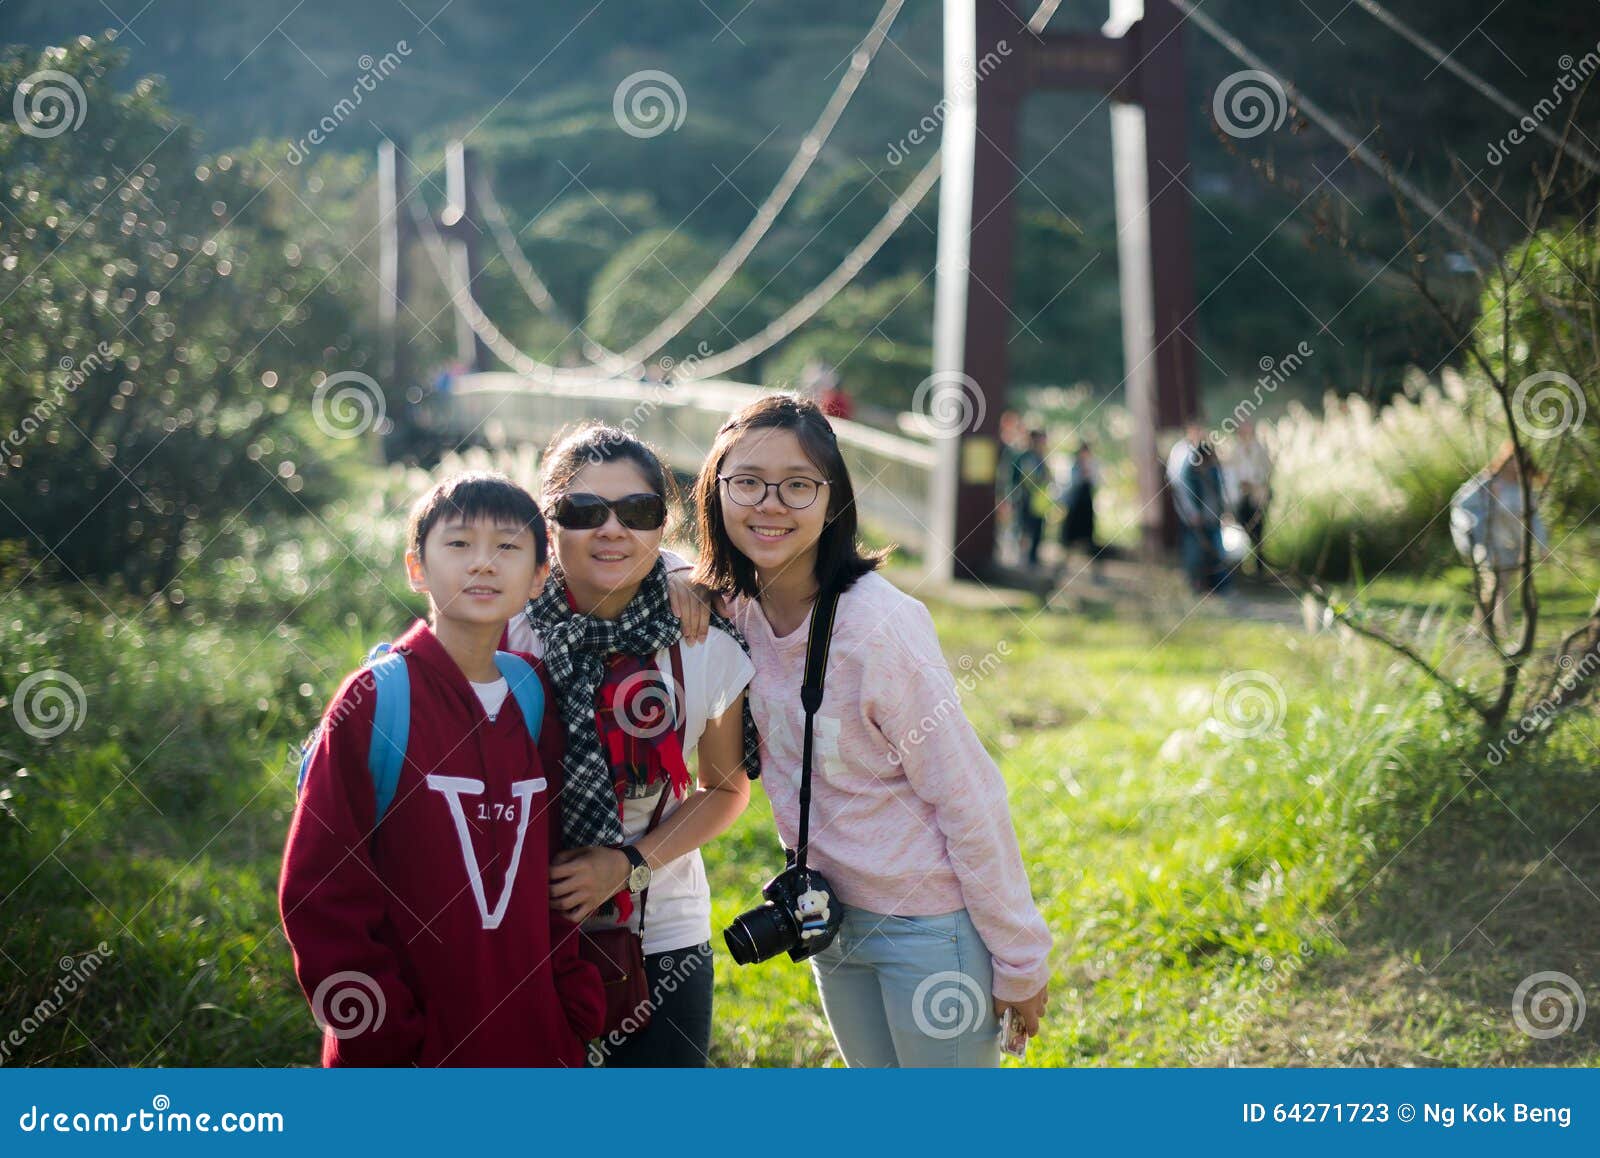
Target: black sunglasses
[(585, 512)]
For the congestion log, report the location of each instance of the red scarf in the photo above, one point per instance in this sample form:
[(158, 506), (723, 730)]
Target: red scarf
[(634, 719)]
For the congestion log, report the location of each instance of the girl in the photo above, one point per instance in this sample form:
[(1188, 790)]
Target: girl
[(909, 819), (607, 635)]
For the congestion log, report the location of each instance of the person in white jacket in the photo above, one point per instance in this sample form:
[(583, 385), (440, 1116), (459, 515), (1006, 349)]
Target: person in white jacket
[(1487, 524)]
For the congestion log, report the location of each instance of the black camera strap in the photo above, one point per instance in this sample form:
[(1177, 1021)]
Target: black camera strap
[(817, 641)]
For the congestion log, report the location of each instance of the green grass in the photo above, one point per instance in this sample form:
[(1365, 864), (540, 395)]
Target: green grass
[(1336, 886)]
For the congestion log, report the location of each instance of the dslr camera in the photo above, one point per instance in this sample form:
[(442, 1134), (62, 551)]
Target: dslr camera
[(801, 915)]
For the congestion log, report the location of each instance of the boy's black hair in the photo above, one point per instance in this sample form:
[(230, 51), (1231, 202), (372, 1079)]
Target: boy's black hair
[(474, 496), (840, 559)]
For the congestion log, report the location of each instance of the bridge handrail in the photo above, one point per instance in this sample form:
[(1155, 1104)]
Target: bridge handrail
[(708, 394), (892, 473)]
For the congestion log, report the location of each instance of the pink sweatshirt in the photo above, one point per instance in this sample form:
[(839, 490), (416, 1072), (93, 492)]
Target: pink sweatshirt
[(909, 813)]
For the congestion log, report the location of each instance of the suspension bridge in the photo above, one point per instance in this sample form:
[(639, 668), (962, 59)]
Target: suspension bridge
[(932, 483)]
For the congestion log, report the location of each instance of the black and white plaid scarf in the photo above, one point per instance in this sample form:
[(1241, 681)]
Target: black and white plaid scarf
[(575, 650)]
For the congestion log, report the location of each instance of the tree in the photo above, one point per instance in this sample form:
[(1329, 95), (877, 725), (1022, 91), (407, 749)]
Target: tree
[(166, 318), (1533, 344)]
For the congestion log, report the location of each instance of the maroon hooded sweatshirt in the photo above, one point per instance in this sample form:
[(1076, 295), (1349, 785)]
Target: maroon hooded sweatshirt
[(430, 940)]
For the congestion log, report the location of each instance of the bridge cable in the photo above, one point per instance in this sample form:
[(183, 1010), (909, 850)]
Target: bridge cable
[(1485, 257), (545, 373), (729, 264), (843, 274), (693, 368), (532, 284), (466, 306), (1577, 152)]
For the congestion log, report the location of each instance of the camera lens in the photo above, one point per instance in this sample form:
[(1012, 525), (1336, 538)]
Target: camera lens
[(759, 934)]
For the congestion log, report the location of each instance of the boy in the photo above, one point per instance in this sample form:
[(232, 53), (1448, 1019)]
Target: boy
[(424, 935)]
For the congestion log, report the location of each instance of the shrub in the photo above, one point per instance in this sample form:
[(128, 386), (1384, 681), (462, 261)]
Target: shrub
[(1359, 486)]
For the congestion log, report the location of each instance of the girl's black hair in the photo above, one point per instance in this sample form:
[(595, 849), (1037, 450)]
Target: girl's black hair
[(593, 443), (840, 558), (474, 496)]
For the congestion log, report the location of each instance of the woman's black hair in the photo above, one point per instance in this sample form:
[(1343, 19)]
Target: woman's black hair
[(474, 496), (593, 443), (840, 558)]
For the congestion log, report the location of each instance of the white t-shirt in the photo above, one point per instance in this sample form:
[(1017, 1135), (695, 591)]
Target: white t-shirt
[(714, 672), (491, 695)]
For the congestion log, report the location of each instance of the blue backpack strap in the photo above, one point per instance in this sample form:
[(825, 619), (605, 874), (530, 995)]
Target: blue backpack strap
[(391, 725), (526, 687), (306, 751)]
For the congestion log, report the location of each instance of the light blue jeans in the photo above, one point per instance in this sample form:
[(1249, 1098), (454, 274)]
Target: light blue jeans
[(909, 991)]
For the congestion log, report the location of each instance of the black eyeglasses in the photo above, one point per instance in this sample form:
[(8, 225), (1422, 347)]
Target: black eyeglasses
[(796, 493), (585, 512)]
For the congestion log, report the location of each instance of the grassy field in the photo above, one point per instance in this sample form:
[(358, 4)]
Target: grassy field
[(1254, 845)]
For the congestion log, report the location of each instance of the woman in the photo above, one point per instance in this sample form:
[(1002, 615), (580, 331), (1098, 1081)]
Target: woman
[(606, 634), (909, 820), (1077, 498)]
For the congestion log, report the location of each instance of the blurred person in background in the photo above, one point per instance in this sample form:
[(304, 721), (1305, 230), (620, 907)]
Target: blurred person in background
[(1077, 498), (1031, 489), (1248, 476), (1487, 524), (835, 401), (1013, 441), (1197, 495)]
